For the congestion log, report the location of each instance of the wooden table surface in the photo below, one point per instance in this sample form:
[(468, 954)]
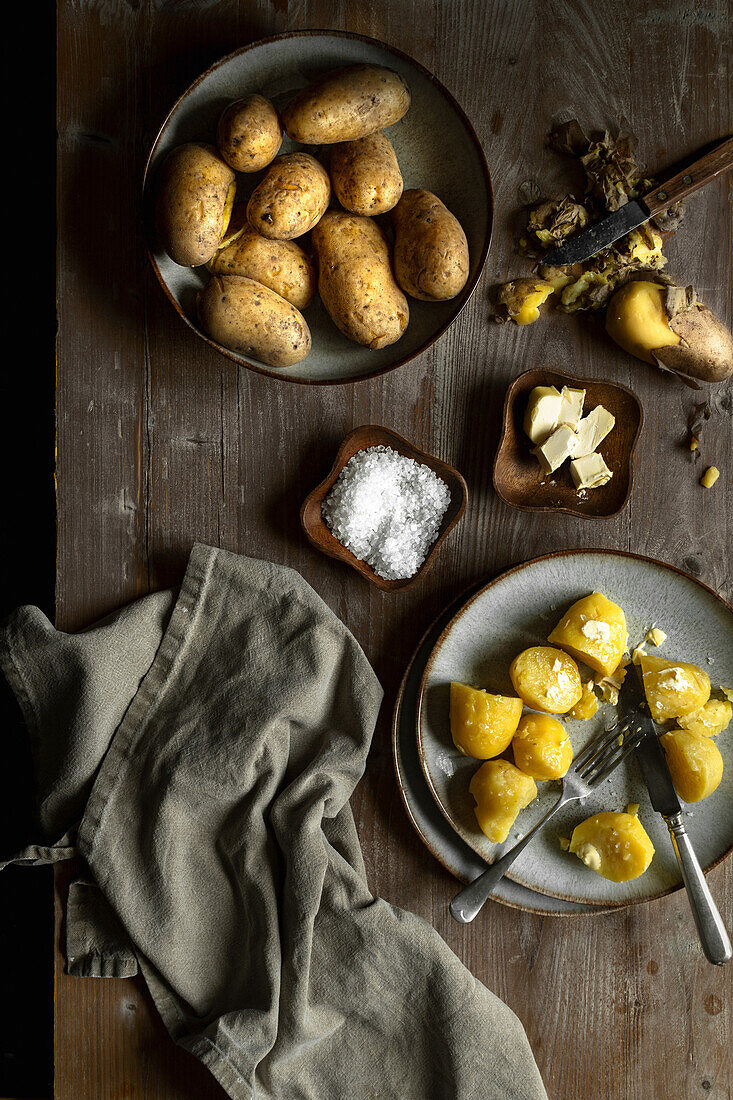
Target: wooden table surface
[(162, 442)]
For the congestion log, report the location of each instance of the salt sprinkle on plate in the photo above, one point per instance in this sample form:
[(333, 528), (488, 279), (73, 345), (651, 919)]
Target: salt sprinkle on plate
[(386, 509)]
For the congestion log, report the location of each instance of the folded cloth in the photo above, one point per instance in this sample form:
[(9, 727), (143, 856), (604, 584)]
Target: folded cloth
[(198, 751)]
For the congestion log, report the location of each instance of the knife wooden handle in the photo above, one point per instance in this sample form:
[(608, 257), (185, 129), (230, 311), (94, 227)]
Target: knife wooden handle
[(696, 175), (710, 928)]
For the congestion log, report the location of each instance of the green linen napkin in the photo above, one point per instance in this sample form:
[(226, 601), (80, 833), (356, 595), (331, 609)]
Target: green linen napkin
[(198, 751)]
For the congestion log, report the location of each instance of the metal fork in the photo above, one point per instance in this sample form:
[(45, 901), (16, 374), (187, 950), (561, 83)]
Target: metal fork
[(597, 760)]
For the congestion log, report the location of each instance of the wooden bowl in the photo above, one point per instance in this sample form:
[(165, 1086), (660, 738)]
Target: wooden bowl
[(518, 478), (370, 435)]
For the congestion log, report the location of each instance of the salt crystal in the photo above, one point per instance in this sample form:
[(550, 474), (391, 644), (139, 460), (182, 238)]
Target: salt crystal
[(387, 510)]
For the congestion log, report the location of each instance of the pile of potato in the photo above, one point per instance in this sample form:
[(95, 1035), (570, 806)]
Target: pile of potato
[(547, 680), (261, 279)]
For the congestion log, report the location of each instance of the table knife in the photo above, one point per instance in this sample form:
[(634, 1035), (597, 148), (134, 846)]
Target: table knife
[(603, 233), (635, 717)]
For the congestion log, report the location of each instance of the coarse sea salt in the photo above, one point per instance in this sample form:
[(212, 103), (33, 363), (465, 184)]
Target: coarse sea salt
[(387, 510)]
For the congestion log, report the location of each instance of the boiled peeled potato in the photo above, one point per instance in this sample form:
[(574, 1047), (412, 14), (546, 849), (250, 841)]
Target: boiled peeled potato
[(615, 846), (665, 324), (710, 720), (694, 763), (541, 747), (546, 679), (482, 725), (673, 689), (593, 630), (501, 790)]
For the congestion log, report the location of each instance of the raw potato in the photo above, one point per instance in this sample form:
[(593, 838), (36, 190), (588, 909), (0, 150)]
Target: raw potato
[(593, 630), (431, 259), (346, 104), (541, 747), (500, 791), (546, 679), (249, 134), (673, 688), (666, 325), (282, 266), (291, 198), (616, 846), (365, 175), (709, 720), (194, 203), (694, 763), (252, 320), (355, 279), (482, 725)]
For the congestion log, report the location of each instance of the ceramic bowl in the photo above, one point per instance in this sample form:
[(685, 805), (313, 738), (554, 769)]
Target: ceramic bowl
[(437, 149), (370, 435), (519, 609), (518, 479)]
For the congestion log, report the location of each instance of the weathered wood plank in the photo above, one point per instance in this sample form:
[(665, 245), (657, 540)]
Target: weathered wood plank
[(161, 442)]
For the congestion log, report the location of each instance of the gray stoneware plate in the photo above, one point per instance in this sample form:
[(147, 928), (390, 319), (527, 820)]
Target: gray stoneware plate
[(437, 149), (519, 609), (426, 818)]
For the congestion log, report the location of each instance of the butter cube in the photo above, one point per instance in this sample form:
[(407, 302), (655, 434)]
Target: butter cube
[(590, 471), (559, 446), (592, 430), (543, 409), (571, 408)]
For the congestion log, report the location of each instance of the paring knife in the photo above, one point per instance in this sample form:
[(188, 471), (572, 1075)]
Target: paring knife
[(603, 233), (635, 716)]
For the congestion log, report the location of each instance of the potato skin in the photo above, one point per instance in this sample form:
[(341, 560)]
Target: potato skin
[(282, 266), (706, 351), (249, 134), (365, 175), (291, 198), (355, 279), (251, 319), (195, 195), (431, 251), (346, 104)]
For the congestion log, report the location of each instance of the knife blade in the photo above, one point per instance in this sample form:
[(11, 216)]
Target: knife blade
[(649, 753), (601, 234), (609, 229)]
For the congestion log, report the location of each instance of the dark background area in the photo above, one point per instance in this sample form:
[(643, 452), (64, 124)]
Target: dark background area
[(29, 550)]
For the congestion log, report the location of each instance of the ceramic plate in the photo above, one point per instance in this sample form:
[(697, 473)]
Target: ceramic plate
[(519, 609), (437, 149), (430, 824)]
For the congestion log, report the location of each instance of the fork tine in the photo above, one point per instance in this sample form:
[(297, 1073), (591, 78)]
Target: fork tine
[(605, 738), (604, 751), (629, 745)]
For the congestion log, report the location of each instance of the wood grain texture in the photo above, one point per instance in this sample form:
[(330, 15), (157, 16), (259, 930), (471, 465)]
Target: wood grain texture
[(161, 442)]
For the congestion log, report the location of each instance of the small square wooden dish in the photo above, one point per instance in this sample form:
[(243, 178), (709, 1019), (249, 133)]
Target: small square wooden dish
[(370, 435), (518, 478)]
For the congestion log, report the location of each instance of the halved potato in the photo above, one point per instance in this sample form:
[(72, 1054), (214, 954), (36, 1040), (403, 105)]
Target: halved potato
[(482, 725), (709, 720), (500, 791), (673, 688), (616, 846), (593, 630), (546, 679), (694, 763), (541, 747)]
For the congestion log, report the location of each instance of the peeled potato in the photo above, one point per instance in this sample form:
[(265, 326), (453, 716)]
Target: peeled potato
[(546, 679), (542, 747), (500, 791), (694, 763), (616, 846), (593, 630), (588, 704), (709, 720), (482, 725), (673, 688)]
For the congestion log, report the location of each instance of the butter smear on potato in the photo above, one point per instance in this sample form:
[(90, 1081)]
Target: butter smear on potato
[(546, 679), (593, 630), (673, 688)]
